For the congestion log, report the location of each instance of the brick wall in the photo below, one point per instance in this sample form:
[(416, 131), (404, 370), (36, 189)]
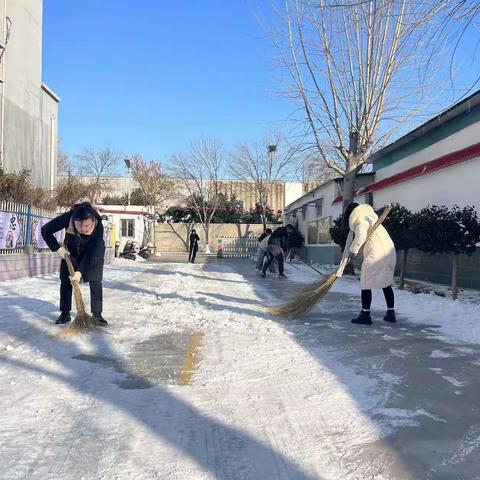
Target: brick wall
[(20, 265)]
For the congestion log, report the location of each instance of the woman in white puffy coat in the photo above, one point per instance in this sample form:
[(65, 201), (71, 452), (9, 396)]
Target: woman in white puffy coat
[(379, 259)]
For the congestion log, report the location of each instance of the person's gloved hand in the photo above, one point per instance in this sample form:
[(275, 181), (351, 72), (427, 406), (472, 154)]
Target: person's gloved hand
[(76, 277), (62, 252), (351, 258)]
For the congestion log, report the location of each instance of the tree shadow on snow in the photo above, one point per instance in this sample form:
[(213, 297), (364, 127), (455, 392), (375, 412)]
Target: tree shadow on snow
[(224, 451), (371, 357)]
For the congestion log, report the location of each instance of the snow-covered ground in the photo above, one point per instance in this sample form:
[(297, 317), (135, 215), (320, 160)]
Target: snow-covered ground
[(260, 404), (458, 321)]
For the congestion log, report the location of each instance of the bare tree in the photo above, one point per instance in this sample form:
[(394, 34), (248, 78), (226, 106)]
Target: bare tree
[(263, 164), (98, 164), (459, 19), (312, 172), (152, 180), (64, 165), (354, 68), (198, 172)]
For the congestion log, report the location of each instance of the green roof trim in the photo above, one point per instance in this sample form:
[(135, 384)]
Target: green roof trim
[(435, 135)]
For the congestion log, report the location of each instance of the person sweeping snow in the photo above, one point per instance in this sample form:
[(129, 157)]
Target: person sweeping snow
[(276, 246), (85, 247), (379, 259)]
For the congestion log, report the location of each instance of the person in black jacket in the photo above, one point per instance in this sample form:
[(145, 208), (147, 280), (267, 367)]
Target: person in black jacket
[(277, 247), (194, 239), (261, 253), (86, 247)]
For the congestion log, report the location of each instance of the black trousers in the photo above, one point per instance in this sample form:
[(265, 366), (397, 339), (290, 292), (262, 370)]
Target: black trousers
[(193, 254), (96, 296), (270, 258), (387, 292)]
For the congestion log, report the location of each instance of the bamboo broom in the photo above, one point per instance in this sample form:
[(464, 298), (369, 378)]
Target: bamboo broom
[(82, 322), (316, 291)]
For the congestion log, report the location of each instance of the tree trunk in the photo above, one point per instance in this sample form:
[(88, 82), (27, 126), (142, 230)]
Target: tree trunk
[(454, 276), (264, 218), (348, 188), (206, 228), (403, 269)]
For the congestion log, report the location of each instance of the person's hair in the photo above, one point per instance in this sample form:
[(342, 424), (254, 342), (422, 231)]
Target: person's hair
[(194, 231), (83, 212), (348, 212), (289, 226), (268, 230)]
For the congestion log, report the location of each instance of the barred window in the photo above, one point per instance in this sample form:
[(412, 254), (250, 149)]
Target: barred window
[(128, 227)]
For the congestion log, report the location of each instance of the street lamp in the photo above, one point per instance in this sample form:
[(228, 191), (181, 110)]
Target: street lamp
[(128, 163)]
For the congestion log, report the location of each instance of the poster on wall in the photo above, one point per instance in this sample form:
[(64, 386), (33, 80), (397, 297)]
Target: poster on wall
[(107, 232), (37, 239), (11, 230)]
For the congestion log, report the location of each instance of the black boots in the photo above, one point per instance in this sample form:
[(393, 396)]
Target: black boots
[(99, 320), (63, 318), (363, 319), (282, 275), (390, 316)]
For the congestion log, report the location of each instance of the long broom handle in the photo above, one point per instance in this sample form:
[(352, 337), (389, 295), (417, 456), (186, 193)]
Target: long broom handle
[(371, 231), (305, 263), (76, 288)]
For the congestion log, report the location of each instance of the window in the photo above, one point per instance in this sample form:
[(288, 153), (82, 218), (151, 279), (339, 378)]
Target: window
[(312, 236), (304, 212), (324, 225), (128, 227), (319, 207)]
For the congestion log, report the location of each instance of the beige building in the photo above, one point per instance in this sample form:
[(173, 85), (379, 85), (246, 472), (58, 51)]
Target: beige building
[(28, 108), (281, 194)]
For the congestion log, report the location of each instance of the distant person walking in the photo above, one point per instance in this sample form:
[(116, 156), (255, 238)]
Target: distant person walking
[(194, 239)]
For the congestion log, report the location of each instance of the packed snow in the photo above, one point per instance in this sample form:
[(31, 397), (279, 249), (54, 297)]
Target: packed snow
[(456, 320), (261, 404)]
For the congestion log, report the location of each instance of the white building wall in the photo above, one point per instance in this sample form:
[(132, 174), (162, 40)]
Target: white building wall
[(328, 192), (28, 125), (456, 185), (293, 191), (117, 213), (459, 140)]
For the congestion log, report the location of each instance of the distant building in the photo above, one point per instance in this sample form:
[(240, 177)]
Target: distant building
[(282, 192), (314, 212), (28, 108), (438, 163), (131, 222)]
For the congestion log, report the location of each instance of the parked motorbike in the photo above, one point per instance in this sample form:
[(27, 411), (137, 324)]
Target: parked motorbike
[(132, 249)]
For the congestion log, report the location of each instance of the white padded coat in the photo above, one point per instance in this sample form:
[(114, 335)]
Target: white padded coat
[(379, 256)]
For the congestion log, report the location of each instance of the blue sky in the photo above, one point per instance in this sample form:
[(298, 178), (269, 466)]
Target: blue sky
[(149, 76)]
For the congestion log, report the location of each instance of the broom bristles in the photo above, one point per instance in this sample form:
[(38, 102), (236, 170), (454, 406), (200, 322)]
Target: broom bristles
[(81, 324), (306, 301)]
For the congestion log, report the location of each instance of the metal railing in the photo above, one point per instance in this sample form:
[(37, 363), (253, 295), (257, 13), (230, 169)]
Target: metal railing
[(20, 227), (237, 247)]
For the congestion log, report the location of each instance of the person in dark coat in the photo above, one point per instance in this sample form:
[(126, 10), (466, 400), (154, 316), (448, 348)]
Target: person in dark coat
[(277, 248), (86, 247), (261, 253), (194, 239)]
